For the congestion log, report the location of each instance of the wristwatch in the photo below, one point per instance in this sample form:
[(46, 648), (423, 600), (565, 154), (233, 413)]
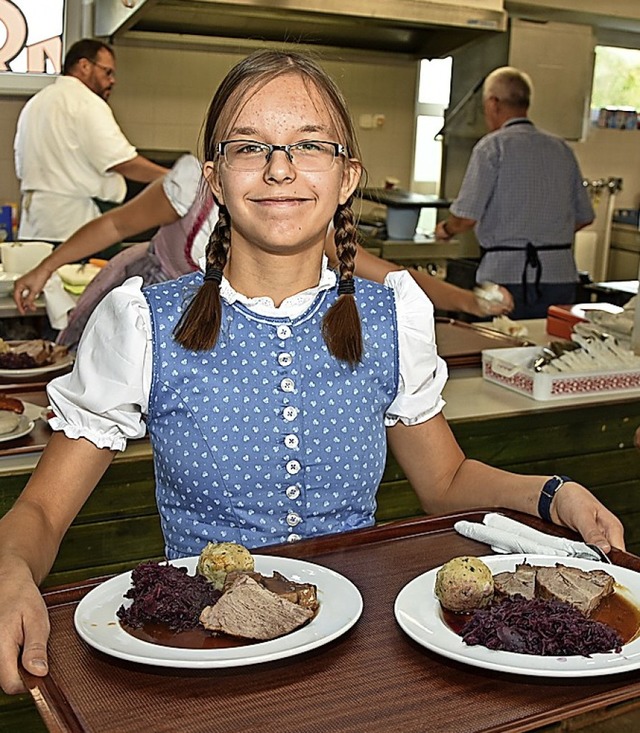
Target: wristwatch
[(549, 490)]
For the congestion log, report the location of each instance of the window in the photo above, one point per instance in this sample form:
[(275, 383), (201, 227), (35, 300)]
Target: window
[(30, 43), (434, 89), (616, 85)]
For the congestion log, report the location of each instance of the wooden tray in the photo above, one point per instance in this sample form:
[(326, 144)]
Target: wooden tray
[(460, 344)]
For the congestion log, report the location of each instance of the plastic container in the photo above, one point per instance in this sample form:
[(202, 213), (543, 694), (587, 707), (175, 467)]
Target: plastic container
[(20, 257), (511, 368), (402, 221), (6, 223)]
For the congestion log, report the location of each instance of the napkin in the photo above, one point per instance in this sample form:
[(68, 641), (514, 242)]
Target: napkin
[(508, 536), (58, 302)]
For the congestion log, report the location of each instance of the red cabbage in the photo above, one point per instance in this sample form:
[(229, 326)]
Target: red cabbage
[(537, 626), (166, 594)]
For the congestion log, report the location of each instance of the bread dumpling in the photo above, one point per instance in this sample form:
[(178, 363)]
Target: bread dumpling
[(464, 584), (220, 558)]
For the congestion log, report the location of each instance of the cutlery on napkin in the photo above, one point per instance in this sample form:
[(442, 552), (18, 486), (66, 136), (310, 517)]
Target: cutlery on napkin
[(508, 536)]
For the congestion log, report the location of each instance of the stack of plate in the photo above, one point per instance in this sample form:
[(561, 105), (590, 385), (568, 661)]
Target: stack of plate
[(6, 282)]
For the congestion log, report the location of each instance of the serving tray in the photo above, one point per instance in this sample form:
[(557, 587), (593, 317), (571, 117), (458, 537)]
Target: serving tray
[(461, 344)]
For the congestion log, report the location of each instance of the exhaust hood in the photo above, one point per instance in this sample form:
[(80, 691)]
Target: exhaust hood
[(421, 28)]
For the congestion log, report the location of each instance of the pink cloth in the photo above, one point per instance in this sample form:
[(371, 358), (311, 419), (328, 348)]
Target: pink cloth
[(166, 257)]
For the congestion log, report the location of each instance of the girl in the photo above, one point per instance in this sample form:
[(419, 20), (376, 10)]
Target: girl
[(268, 384)]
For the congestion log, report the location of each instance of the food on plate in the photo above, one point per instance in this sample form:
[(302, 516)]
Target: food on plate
[(248, 607), (29, 354), (539, 626), (545, 610), (10, 411), (248, 610), (166, 594), (220, 558), (464, 583), (304, 594), (584, 589), (521, 582)]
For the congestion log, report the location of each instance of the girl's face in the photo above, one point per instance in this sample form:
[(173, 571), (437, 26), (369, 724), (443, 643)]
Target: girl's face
[(279, 208)]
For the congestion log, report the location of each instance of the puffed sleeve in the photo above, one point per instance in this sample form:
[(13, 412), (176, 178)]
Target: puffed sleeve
[(106, 395), (423, 373), (181, 184)]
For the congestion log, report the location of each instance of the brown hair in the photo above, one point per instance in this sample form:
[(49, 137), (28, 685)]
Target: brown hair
[(199, 326), (85, 48)]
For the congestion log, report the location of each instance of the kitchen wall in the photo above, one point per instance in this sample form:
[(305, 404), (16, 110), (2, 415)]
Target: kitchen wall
[(162, 95)]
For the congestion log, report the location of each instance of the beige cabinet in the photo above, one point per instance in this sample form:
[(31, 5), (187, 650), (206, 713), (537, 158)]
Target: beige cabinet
[(624, 254), (559, 58)]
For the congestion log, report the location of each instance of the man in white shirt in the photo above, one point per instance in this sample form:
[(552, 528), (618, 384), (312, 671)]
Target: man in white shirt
[(70, 154)]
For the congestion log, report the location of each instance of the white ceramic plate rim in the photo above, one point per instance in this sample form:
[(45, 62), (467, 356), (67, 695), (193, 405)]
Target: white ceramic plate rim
[(417, 611), (35, 371), (34, 412), (340, 607), (24, 427)]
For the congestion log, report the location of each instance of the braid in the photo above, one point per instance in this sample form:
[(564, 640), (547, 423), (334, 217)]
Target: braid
[(199, 325), (341, 326)]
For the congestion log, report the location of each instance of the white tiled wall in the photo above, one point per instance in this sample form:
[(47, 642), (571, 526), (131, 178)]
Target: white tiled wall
[(162, 96)]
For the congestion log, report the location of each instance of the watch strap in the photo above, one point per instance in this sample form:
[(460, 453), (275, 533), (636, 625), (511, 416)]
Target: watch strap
[(549, 490)]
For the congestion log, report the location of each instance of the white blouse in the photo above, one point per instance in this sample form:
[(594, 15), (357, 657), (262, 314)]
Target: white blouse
[(105, 398), (181, 185)]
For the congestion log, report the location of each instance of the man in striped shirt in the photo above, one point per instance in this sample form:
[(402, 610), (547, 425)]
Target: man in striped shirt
[(523, 193)]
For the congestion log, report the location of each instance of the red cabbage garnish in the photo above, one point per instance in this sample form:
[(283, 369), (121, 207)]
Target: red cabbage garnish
[(537, 626), (166, 594)]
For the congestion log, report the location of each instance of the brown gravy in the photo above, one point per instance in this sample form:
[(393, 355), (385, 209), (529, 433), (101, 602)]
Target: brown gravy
[(198, 638), (615, 610)]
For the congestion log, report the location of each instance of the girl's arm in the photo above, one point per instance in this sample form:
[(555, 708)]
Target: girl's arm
[(30, 535)]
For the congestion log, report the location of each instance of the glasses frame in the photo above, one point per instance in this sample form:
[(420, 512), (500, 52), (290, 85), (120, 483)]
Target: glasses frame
[(111, 73), (338, 149)]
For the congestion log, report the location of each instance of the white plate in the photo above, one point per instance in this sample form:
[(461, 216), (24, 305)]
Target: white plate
[(63, 362), (24, 427), (417, 610), (33, 412), (340, 607)]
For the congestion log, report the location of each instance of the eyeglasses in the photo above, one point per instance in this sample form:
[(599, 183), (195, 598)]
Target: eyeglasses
[(111, 73), (306, 155)]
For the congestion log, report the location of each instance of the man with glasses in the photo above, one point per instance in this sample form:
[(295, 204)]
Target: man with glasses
[(71, 156), (523, 194)]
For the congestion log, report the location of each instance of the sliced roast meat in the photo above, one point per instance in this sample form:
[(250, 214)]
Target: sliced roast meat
[(581, 588), (304, 594), (250, 611), (521, 582)]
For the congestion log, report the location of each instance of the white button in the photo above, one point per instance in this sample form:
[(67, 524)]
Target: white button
[(293, 537), (284, 359), (292, 441), (293, 519), (284, 332), (293, 466), (287, 385), (292, 492), (290, 413)]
